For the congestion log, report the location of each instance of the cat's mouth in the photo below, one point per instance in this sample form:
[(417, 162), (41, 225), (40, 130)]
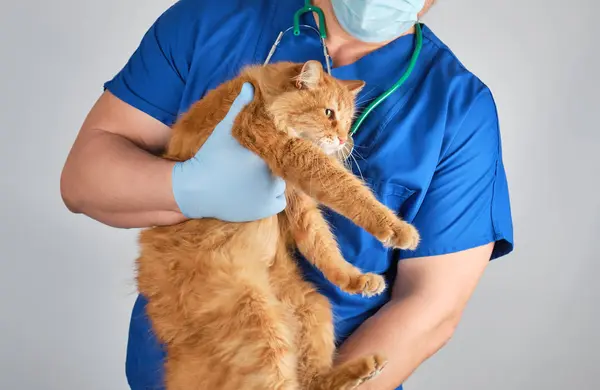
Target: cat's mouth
[(330, 149), (329, 145)]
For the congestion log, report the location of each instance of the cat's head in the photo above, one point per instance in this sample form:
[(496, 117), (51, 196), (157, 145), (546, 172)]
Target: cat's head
[(318, 107)]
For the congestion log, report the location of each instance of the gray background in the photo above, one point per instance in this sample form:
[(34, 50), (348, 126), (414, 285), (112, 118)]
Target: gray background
[(66, 282)]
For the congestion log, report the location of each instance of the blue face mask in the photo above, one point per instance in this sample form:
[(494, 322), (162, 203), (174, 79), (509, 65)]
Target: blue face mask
[(377, 20)]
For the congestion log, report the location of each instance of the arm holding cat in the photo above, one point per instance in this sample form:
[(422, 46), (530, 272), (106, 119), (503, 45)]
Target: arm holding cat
[(429, 294), (462, 226), (113, 175), (428, 298)]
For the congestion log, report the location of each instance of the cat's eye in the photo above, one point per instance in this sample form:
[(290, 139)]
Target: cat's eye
[(329, 113)]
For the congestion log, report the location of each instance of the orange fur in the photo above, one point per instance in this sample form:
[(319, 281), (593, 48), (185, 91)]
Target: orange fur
[(227, 299)]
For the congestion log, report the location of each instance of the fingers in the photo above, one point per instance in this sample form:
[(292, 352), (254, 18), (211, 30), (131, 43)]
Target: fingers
[(222, 131), (245, 97), (274, 202), (280, 202), (278, 186), (224, 128), (277, 206)]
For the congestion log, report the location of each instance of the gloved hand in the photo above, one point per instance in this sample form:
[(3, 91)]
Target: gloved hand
[(226, 181)]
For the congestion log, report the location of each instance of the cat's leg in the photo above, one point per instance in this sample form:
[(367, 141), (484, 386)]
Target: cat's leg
[(315, 341), (304, 165), (350, 375), (316, 349), (316, 242), (313, 318)]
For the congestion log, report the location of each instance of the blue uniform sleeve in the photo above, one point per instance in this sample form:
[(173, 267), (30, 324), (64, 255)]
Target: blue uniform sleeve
[(154, 78), (467, 202)]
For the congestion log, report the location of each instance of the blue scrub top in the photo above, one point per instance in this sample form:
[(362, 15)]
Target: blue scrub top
[(431, 151)]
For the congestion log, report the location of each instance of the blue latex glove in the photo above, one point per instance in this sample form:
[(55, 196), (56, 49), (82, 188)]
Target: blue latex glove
[(226, 181)]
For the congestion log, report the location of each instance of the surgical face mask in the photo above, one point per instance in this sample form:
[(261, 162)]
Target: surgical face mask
[(377, 20)]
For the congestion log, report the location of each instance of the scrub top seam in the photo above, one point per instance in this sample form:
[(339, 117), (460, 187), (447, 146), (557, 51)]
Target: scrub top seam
[(410, 87), (442, 47), (498, 156), (492, 214), (460, 125), (425, 252), (262, 31), (130, 97), (407, 95)]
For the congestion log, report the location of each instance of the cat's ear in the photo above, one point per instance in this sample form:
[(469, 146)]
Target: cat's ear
[(310, 76), (355, 86)]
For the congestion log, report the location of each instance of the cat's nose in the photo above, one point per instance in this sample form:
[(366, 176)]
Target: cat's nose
[(342, 140)]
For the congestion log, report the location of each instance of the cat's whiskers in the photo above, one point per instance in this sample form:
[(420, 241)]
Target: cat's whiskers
[(357, 113), (348, 157), (346, 149), (365, 99), (343, 153), (358, 154), (358, 146), (347, 152), (358, 167)]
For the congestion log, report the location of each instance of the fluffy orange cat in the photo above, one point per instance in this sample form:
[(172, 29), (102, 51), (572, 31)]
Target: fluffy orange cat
[(227, 299)]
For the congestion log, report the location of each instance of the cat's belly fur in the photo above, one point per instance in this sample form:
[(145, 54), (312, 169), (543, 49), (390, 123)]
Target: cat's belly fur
[(213, 302)]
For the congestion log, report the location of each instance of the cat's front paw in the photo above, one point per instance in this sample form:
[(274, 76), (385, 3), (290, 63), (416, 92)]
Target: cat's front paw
[(350, 375), (367, 285), (401, 235), (372, 367)]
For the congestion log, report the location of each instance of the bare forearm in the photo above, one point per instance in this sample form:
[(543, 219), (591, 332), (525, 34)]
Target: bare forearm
[(112, 180), (407, 332), (428, 298)]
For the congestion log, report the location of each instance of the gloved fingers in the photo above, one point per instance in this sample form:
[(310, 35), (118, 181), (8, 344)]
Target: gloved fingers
[(244, 98), (265, 210), (279, 204), (278, 187), (222, 132)]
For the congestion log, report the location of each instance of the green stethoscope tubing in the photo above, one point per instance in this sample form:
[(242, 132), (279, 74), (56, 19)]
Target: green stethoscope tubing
[(398, 84), (308, 7)]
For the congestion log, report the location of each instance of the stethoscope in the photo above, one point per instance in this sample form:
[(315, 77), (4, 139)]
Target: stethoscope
[(322, 31)]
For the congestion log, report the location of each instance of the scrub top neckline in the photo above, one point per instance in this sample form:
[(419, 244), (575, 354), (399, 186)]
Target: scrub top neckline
[(401, 45)]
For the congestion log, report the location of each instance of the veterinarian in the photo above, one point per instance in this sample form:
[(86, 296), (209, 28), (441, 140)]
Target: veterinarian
[(431, 151)]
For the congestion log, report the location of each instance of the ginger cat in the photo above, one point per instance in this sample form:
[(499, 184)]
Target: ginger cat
[(227, 299)]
